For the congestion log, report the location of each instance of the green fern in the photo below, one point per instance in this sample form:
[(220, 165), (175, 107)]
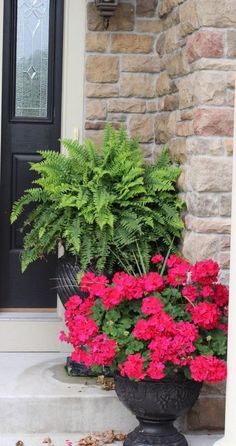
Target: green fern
[(104, 206)]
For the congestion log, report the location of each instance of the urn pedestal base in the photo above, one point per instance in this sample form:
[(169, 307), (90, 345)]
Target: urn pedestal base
[(155, 434)]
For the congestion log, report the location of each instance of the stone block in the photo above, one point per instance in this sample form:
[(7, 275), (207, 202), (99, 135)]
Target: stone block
[(149, 26), (231, 43), (214, 64), (142, 127), (198, 247), (188, 17), (100, 125), (220, 14), (160, 44), (225, 205), (231, 79), (117, 118), (171, 19), (95, 109), (126, 106), (230, 97), (224, 277), (123, 20), (131, 43), (166, 6), (97, 42), (186, 115), (214, 389), (102, 68), (214, 121), (157, 151), (183, 180), (229, 146), (225, 243), (96, 136), (170, 102), (146, 8), (211, 174), (162, 129), (147, 150), (102, 90), (205, 146), (174, 117), (205, 43), (165, 126), (204, 87), (202, 204), (137, 85), (186, 91), (208, 225), (161, 103), (171, 39), (184, 128), (164, 84), (209, 88), (152, 106), (177, 147), (207, 413), (177, 64), (140, 64), (224, 260)]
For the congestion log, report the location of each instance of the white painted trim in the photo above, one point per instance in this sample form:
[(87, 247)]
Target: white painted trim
[(73, 69)]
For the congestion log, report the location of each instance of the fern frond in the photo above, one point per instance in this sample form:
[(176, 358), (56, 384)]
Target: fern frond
[(104, 205)]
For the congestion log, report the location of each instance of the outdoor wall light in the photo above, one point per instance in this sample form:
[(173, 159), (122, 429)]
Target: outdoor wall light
[(107, 9)]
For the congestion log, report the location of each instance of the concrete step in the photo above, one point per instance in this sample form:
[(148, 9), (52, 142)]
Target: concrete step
[(39, 399), (36, 395), (60, 440)]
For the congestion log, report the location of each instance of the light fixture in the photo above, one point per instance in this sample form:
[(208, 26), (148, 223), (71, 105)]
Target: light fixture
[(107, 9)]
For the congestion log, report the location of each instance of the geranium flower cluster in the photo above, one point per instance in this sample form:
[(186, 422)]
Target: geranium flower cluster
[(152, 326)]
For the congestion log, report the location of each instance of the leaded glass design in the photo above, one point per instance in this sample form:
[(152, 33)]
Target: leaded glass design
[(32, 48)]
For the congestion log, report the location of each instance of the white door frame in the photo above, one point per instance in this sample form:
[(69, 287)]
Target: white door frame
[(40, 332)]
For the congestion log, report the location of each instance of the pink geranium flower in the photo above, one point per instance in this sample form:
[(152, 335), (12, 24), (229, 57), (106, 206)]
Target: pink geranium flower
[(150, 327)]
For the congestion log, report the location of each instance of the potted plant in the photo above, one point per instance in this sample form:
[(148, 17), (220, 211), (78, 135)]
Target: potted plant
[(162, 333), (97, 204)]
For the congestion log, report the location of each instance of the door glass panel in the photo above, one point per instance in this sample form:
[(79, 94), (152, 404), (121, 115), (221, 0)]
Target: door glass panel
[(32, 48)]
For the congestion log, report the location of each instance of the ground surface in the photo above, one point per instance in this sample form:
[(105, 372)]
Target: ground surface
[(38, 401)]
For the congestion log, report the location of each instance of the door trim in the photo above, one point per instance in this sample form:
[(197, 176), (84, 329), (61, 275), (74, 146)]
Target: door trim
[(26, 333), (73, 69)]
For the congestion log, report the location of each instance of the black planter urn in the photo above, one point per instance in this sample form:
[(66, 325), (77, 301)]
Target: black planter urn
[(156, 404), (66, 278)]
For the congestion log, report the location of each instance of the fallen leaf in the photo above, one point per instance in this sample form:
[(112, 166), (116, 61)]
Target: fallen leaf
[(89, 440), (47, 440), (120, 437), (106, 383), (102, 438)]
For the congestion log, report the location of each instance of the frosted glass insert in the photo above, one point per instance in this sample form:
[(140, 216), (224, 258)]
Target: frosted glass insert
[(32, 58)]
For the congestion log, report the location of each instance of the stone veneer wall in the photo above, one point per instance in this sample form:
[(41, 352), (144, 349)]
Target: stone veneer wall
[(167, 70)]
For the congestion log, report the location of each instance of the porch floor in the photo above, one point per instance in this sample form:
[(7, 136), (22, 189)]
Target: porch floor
[(38, 399), (60, 439)]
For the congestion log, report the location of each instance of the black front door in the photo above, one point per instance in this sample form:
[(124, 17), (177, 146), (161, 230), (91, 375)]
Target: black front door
[(31, 120)]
